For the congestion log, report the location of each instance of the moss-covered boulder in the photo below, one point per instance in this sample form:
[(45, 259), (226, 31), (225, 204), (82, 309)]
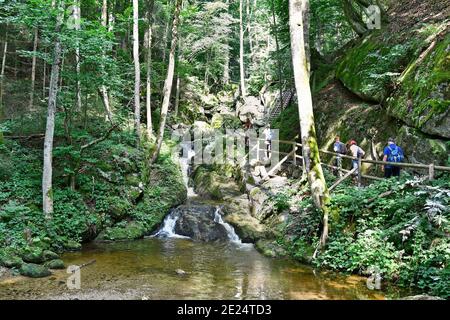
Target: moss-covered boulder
[(10, 261), (131, 231), (420, 148), (55, 264), (225, 121), (248, 228), (423, 96), (370, 68), (71, 245), (270, 248), (33, 255), (34, 270), (49, 255)]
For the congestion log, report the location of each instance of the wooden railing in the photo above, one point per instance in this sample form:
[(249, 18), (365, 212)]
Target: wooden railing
[(431, 168)]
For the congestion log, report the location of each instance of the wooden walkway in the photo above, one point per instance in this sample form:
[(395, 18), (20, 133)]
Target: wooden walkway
[(293, 156)]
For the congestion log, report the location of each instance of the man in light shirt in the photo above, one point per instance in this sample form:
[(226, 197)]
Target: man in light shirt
[(357, 153)]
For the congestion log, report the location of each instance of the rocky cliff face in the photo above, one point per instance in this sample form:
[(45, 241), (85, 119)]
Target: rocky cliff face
[(393, 82)]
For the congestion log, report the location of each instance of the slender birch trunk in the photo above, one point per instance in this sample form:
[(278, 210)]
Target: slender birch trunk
[(169, 79), (77, 17), (33, 70), (47, 191), (2, 74), (319, 190), (103, 90), (241, 50), (148, 45), (137, 72)]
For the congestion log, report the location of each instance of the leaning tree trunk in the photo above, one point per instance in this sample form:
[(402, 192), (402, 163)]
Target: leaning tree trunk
[(148, 45), (33, 70), (319, 190), (77, 17), (47, 191), (2, 74), (169, 79), (137, 71), (102, 89), (241, 50)]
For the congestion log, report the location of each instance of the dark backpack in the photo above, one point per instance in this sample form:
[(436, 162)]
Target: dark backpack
[(396, 155), (342, 148)]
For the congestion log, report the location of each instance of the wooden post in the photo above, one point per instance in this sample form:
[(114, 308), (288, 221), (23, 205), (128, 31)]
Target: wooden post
[(294, 154), (359, 171), (431, 171)]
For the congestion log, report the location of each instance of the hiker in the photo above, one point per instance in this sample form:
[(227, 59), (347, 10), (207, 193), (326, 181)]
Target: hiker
[(392, 153), (247, 126), (268, 139), (340, 148), (357, 153)]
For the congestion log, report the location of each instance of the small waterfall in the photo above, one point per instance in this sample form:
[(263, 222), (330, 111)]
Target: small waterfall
[(230, 230), (168, 228), (185, 163)]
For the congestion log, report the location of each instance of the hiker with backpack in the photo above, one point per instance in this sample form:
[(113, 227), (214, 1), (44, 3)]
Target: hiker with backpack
[(392, 153), (357, 153), (339, 148)]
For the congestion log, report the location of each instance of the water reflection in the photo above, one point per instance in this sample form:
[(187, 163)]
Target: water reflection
[(148, 268)]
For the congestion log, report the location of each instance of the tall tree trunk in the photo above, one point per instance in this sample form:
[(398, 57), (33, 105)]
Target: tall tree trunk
[(44, 76), (103, 90), (47, 191), (137, 71), (169, 79), (177, 95), (319, 190), (226, 63), (77, 17), (2, 75), (277, 46), (241, 50), (249, 28), (148, 46), (33, 70)]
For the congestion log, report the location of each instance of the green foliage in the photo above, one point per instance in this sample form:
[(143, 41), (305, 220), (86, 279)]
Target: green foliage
[(396, 228)]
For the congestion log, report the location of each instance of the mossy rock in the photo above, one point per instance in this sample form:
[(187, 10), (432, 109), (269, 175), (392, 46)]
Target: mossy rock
[(119, 207), (33, 255), (421, 148), (34, 270), (72, 245), (49, 255), (55, 264), (423, 96), (270, 248), (372, 66), (10, 261), (133, 230), (132, 179)]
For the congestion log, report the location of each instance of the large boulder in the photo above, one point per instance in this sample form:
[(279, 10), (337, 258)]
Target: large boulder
[(10, 260), (423, 96), (34, 270), (251, 107), (197, 222)]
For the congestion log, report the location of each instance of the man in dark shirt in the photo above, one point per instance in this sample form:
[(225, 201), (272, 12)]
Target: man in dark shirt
[(392, 153)]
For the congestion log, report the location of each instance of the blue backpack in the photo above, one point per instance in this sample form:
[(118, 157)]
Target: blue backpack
[(396, 155)]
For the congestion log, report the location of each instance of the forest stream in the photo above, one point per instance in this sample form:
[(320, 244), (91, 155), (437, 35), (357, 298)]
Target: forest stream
[(147, 269)]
